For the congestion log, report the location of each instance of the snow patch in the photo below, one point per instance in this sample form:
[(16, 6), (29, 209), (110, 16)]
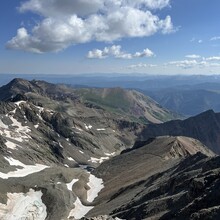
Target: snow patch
[(14, 162), (24, 171), (81, 152), (15, 131), (19, 103), (60, 145), (88, 126), (80, 210), (100, 129), (70, 158), (70, 185), (110, 154), (13, 112), (23, 206), (95, 184), (98, 160), (11, 145)]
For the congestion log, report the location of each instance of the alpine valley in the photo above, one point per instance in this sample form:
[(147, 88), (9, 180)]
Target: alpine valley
[(104, 153)]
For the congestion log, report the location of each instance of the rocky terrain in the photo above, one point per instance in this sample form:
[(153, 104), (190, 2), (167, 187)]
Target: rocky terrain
[(188, 189), (204, 127), (136, 180), (102, 154)]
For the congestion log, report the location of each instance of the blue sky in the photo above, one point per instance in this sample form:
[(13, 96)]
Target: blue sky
[(110, 36)]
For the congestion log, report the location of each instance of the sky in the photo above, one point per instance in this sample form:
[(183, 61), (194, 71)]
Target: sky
[(110, 36)]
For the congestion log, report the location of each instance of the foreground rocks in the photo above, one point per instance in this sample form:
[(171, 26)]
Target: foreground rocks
[(161, 186)]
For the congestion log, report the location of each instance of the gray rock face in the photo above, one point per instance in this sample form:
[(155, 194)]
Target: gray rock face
[(187, 190)]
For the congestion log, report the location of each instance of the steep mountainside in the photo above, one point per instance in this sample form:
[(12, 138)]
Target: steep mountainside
[(130, 103), (50, 130), (204, 127), (49, 142), (147, 180)]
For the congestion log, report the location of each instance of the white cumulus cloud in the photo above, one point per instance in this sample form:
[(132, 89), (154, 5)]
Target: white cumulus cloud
[(116, 51), (67, 22), (215, 38), (215, 58), (146, 53), (193, 56)]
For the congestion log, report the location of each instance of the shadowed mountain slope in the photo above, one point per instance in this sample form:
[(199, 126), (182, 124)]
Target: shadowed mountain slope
[(137, 184), (204, 127)]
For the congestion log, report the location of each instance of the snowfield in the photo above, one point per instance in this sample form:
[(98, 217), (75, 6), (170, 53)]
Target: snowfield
[(70, 185), (14, 131), (11, 145), (95, 185), (21, 206), (98, 160), (80, 210), (24, 171)]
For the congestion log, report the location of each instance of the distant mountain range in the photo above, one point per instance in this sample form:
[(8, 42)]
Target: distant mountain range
[(135, 80), (189, 101), (185, 95)]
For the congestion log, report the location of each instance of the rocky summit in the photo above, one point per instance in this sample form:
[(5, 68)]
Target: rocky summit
[(110, 153)]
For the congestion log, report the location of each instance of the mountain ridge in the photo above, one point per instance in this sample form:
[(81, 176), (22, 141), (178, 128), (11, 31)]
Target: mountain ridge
[(128, 102), (204, 127)]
